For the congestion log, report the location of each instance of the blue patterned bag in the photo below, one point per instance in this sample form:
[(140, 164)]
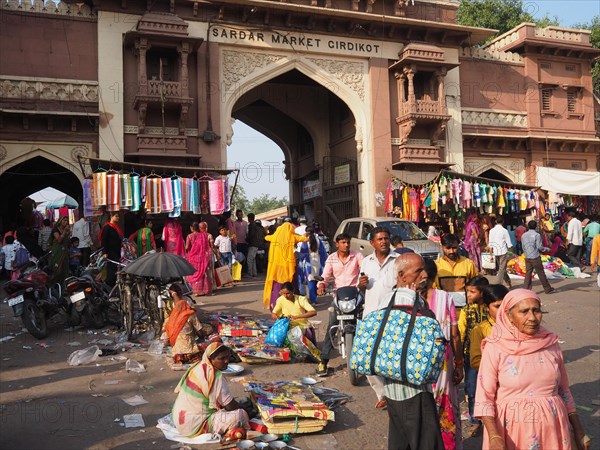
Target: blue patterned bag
[(395, 344), (278, 332)]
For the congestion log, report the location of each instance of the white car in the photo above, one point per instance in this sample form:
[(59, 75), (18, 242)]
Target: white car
[(359, 229)]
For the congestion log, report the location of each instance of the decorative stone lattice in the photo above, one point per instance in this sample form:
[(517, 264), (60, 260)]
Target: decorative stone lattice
[(558, 33), (48, 89), (238, 65), (49, 7), (491, 55), (352, 74), (494, 119)]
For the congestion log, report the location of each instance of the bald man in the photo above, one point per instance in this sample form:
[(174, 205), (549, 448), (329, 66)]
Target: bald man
[(411, 409)]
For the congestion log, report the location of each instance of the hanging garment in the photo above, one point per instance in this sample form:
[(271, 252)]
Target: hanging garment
[(466, 194), (216, 197), (226, 195), (166, 195), (389, 198), (414, 205), (523, 198), (444, 190), (186, 193), (113, 197), (143, 190), (126, 199), (153, 195), (501, 202), (476, 195), (405, 203), (456, 186), (134, 181), (99, 189), (423, 194), (201, 201), (87, 197), (176, 189), (435, 194), (428, 198)]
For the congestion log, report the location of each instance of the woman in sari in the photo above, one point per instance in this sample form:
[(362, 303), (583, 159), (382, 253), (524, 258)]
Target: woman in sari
[(189, 240), (182, 328), (60, 241), (311, 262), (445, 390), (200, 255), (472, 237), (143, 239), (204, 404), (172, 237), (282, 261)]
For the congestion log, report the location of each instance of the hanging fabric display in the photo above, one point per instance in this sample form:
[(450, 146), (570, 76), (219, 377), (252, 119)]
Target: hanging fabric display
[(216, 198), (186, 194), (226, 196), (99, 189), (203, 206), (143, 190), (125, 190), (113, 196), (134, 181), (153, 195), (87, 198), (176, 190), (166, 195)]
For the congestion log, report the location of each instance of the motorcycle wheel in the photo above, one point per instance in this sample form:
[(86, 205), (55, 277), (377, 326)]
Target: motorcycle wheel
[(92, 315), (127, 310), (34, 320), (352, 375), (156, 314)]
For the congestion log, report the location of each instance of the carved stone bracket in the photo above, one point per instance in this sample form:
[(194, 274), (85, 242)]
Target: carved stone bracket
[(352, 74), (405, 129)]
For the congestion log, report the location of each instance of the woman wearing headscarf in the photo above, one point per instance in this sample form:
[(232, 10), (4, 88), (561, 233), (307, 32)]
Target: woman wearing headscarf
[(60, 241), (311, 262), (172, 237), (523, 395), (200, 255), (204, 404), (182, 328), (282, 261)]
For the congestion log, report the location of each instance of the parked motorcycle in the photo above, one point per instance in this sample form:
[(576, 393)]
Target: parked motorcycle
[(348, 304), (88, 294), (33, 300)]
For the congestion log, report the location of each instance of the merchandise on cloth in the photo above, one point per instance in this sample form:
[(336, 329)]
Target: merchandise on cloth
[(401, 345), (253, 350), (516, 266), (239, 325), (289, 407)]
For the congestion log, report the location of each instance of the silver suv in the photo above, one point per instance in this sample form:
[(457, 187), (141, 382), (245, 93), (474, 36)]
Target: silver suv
[(359, 229)]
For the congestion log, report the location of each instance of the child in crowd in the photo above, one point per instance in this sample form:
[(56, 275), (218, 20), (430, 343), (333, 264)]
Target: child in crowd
[(74, 256), (8, 250), (470, 316), (224, 247), (492, 299)]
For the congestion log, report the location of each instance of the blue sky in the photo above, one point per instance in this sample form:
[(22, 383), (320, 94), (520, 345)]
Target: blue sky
[(569, 12)]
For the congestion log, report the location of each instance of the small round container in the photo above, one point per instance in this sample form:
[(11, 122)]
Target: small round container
[(277, 445), (246, 445), (261, 445), (308, 381), (269, 437)]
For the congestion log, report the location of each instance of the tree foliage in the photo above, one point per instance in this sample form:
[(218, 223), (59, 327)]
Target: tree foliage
[(594, 27), (257, 205), (501, 15)]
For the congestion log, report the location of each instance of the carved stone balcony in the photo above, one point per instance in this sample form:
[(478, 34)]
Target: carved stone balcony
[(418, 156), (423, 109), (158, 145), (171, 93)]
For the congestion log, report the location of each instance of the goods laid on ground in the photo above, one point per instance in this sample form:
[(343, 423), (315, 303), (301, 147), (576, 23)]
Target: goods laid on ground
[(289, 407)]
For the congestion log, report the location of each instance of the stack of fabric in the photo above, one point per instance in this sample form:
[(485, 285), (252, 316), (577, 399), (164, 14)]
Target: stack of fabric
[(253, 350), (289, 407)]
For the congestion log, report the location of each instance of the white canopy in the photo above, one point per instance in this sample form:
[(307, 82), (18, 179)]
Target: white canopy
[(574, 182)]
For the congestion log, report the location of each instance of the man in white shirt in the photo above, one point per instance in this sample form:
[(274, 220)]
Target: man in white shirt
[(301, 229), (500, 246), (81, 230), (574, 238), (377, 278)]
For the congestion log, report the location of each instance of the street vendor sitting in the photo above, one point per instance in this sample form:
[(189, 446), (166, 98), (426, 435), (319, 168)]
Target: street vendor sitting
[(204, 404), (297, 308), (182, 328)]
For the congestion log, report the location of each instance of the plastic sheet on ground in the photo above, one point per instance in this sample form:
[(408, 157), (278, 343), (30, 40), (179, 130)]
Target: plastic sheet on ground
[(84, 356), (133, 421), (135, 400), (166, 425)]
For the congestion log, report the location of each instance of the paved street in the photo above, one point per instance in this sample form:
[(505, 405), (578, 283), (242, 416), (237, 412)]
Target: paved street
[(46, 404)]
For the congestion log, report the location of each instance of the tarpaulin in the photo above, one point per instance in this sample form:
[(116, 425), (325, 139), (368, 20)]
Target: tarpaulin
[(574, 182)]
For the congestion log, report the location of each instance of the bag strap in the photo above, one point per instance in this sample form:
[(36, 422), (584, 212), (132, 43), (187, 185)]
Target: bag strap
[(409, 331), (386, 316)]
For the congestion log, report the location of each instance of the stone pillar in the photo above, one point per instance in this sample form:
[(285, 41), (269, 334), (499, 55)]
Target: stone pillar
[(184, 52), (412, 100), (401, 85), (441, 75), (142, 48)]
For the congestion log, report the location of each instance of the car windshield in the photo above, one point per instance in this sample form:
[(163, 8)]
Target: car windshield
[(408, 231)]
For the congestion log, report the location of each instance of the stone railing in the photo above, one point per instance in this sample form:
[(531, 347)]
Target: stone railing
[(49, 7), (421, 107), (154, 142), (407, 153), (559, 33), (168, 131), (494, 118), (491, 55), (170, 88), (503, 41), (54, 89)]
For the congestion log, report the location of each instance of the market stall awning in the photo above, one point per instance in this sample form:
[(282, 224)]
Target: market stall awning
[(574, 182)]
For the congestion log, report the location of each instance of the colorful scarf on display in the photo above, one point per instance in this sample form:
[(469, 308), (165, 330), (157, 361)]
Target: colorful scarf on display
[(112, 192), (203, 206), (187, 185), (126, 199), (88, 209), (153, 195), (99, 189), (166, 195), (134, 181), (216, 199), (226, 197), (176, 189)]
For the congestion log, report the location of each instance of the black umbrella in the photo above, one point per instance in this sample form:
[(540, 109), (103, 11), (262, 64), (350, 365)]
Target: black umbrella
[(160, 265)]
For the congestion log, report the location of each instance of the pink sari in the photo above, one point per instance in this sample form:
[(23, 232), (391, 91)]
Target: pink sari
[(173, 238), (472, 232), (199, 256)]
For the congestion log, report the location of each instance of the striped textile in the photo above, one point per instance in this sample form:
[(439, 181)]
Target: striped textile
[(134, 181), (166, 195), (126, 195), (99, 189), (112, 192), (153, 195)]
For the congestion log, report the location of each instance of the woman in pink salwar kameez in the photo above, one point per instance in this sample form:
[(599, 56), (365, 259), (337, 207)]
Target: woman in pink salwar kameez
[(472, 232), (172, 237), (201, 256), (523, 395)]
